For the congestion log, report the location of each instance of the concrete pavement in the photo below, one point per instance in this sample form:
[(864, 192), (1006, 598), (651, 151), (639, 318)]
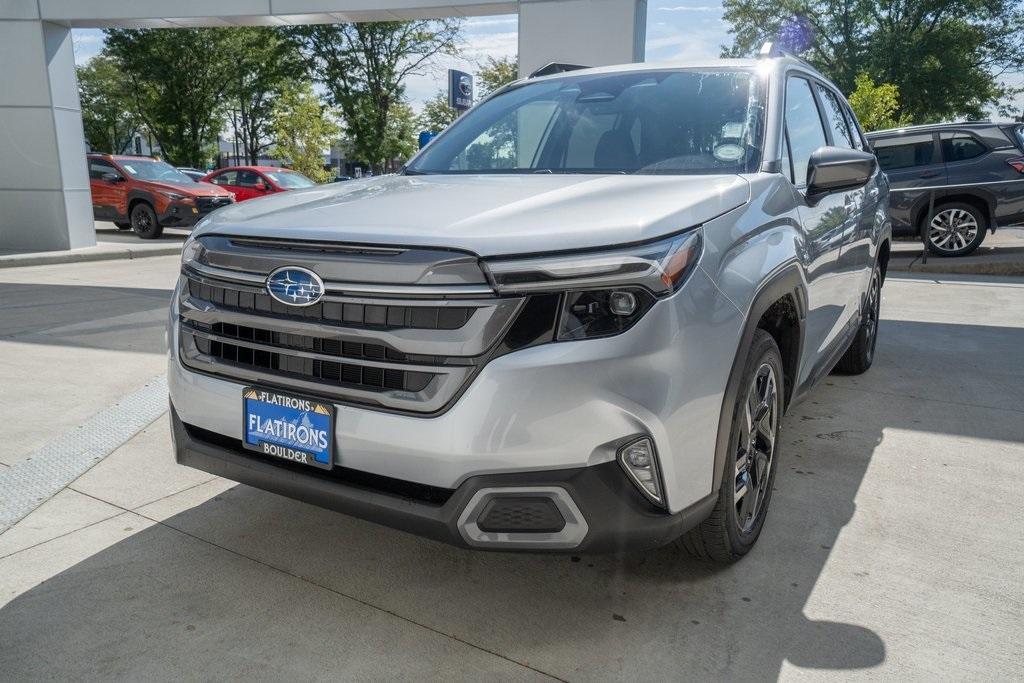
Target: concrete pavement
[(1002, 253), (111, 245), (891, 550)]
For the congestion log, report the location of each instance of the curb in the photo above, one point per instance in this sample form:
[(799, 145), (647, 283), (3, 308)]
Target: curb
[(946, 265), (50, 258)]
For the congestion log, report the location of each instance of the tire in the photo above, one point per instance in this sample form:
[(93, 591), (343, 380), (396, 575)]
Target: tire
[(121, 225), (861, 354), (144, 222), (734, 525), (955, 229)]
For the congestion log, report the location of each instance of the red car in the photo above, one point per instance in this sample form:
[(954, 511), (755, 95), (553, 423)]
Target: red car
[(147, 195), (249, 182)]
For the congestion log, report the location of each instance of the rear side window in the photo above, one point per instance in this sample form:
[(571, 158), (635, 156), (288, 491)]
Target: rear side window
[(226, 178), (803, 123), (97, 168), (841, 136), (905, 152), (960, 147), (1018, 132)]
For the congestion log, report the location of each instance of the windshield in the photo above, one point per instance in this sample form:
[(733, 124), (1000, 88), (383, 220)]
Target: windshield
[(290, 180), (150, 169), (670, 122)]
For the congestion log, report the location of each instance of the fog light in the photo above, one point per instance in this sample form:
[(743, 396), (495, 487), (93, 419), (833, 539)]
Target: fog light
[(641, 464), (622, 303)]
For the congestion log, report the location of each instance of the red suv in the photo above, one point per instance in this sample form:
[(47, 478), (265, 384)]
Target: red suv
[(249, 182), (147, 195)]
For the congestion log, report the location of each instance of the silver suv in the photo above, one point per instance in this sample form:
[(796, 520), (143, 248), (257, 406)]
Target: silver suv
[(573, 321)]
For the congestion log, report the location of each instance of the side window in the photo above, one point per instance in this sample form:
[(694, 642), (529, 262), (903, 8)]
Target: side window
[(959, 147), (837, 122), (249, 178), (803, 123), (226, 178), (97, 168), (851, 121), (905, 152)]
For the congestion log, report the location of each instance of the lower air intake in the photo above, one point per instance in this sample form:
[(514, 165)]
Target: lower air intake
[(509, 515)]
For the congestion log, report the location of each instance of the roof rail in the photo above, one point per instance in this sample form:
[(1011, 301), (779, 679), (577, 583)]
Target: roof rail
[(556, 68), (946, 124)]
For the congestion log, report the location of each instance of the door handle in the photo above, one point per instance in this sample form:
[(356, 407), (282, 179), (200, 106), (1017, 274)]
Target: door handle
[(929, 174)]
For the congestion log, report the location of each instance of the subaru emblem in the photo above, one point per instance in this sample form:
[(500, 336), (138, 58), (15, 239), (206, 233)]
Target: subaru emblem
[(295, 286)]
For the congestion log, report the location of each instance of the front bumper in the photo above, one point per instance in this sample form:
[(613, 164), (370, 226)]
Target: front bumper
[(612, 516)]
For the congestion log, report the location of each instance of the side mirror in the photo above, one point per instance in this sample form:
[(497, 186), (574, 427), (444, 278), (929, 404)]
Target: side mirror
[(834, 169), (112, 177)]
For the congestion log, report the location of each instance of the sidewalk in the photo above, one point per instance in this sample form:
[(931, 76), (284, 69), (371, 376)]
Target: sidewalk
[(111, 244), (1001, 253)]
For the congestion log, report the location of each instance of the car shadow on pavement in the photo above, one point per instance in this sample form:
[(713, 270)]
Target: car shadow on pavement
[(243, 581)]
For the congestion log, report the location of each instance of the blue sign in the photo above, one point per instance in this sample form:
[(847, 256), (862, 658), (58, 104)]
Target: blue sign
[(426, 136), (460, 90), (288, 427)]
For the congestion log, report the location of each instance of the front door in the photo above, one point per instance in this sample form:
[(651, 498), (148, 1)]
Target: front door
[(828, 222)]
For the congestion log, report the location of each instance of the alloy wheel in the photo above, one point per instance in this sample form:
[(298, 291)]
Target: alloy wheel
[(871, 313), (756, 446), (952, 229)]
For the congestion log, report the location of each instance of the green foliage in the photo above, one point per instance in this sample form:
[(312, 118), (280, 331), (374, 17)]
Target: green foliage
[(363, 68), (436, 114), (302, 131), (944, 56), (495, 73), (400, 141), (876, 105), (266, 65), (109, 123), (176, 83)]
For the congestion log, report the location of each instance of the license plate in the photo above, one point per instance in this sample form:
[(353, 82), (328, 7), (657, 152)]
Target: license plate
[(288, 427)]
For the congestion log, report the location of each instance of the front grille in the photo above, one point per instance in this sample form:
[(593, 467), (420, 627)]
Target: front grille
[(413, 354), (353, 314), (335, 372), (207, 204)]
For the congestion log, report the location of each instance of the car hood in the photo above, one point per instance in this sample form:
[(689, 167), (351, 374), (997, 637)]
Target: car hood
[(488, 215)]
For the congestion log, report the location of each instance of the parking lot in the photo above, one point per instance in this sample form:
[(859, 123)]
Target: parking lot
[(892, 549)]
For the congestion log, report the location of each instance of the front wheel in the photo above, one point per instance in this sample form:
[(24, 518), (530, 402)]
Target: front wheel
[(144, 222), (735, 523)]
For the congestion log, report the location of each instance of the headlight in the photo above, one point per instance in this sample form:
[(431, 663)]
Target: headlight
[(191, 251), (603, 293), (174, 196), (659, 267)]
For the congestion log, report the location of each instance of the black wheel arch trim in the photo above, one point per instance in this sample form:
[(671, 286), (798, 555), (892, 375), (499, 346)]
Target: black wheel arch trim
[(134, 195), (952, 194), (786, 282)]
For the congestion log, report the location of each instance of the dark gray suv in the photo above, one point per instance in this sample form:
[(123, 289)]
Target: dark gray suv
[(971, 174)]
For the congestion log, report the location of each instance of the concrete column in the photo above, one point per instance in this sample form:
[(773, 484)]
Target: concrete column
[(45, 202), (588, 32)]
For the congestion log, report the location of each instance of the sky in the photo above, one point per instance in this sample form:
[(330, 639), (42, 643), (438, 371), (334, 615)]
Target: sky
[(676, 29)]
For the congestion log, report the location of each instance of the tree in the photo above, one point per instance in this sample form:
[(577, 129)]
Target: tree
[(436, 114), (266, 65), (176, 84), (876, 105), (495, 73), (946, 57), (303, 131), (364, 66), (109, 124), (400, 141)]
